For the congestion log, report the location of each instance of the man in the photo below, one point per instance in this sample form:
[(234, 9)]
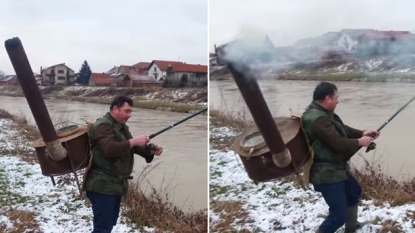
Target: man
[(334, 143), (113, 149)]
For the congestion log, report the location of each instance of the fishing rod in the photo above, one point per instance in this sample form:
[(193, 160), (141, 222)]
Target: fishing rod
[(372, 145), (151, 146), (177, 123)]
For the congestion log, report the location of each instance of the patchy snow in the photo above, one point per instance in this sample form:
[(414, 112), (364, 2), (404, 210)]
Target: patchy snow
[(282, 207), (83, 89), (23, 187), (178, 94)]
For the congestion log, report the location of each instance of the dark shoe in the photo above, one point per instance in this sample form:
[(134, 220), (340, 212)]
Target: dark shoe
[(351, 220)]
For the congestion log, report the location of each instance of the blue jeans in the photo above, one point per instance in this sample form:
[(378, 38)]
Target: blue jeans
[(338, 196), (106, 209)]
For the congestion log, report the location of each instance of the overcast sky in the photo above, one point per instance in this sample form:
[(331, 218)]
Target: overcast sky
[(105, 33), (288, 21)]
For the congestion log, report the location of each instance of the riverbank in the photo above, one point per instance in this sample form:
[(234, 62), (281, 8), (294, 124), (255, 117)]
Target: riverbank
[(237, 204), (182, 100), (338, 76), (30, 203)]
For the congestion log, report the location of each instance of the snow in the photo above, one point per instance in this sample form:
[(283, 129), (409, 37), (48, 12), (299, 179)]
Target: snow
[(58, 208), (282, 207)]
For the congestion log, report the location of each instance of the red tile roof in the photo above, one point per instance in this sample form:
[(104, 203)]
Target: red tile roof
[(142, 65), (128, 69), (180, 66), (163, 65), (101, 79), (190, 68)]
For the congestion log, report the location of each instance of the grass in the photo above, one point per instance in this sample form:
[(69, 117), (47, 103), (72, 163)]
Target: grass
[(141, 209), (339, 76), (348, 76), (376, 185), (29, 133), (145, 104), (153, 208)]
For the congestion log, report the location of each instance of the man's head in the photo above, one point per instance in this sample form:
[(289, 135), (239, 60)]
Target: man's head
[(326, 95), (121, 108)]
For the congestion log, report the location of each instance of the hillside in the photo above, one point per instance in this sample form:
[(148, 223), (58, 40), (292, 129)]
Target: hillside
[(365, 52)]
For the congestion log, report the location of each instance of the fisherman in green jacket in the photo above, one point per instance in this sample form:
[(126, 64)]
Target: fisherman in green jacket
[(113, 149), (334, 143)]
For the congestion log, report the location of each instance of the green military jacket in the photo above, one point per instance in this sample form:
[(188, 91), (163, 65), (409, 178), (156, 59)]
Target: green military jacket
[(110, 171), (329, 165)]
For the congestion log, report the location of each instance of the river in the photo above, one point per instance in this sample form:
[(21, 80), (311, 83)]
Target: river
[(362, 105), (181, 169)]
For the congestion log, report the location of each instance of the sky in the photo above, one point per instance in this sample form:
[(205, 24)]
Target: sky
[(105, 33), (285, 22)]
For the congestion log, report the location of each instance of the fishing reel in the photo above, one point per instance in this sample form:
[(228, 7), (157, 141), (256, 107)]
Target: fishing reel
[(150, 147), (371, 146)]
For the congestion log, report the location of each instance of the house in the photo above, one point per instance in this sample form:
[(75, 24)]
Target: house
[(8, 80), (59, 74), (181, 74), (101, 79), (371, 42), (122, 69), (142, 68), (213, 60), (136, 80), (139, 68), (158, 68), (38, 79)]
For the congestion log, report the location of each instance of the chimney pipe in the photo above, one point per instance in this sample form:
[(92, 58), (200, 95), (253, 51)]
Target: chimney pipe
[(251, 93), (34, 98)]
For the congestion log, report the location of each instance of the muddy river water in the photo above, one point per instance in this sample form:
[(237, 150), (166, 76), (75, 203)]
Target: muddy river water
[(362, 105), (182, 168)]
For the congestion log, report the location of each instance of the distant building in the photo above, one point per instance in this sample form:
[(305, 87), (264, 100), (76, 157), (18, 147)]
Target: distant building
[(8, 80), (59, 74), (175, 73)]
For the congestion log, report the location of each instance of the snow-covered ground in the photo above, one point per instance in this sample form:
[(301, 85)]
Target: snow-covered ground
[(282, 207), (23, 187)]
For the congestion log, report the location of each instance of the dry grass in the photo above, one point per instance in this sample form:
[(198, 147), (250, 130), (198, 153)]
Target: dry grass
[(30, 133), (378, 186), (22, 221), (237, 120), (229, 212), (154, 209)]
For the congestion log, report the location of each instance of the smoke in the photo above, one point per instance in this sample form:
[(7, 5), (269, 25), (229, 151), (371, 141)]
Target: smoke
[(251, 47)]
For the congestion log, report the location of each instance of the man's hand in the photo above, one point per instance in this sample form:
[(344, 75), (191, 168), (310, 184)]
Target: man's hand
[(139, 141), (371, 133), (365, 141), (158, 150)]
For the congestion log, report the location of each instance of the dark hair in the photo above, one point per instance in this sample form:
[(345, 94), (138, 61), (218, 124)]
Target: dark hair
[(324, 89), (120, 100)]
